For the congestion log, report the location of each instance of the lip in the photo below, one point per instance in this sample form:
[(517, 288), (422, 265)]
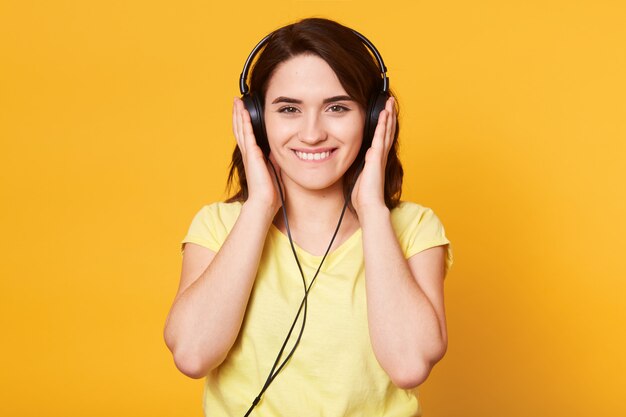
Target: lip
[(313, 151)]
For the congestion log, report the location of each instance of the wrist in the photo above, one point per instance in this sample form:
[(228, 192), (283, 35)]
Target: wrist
[(262, 212), (372, 214)]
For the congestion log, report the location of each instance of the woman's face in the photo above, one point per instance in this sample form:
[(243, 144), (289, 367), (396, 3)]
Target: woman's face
[(313, 127)]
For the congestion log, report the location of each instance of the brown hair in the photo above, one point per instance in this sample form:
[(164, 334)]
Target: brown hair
[(358, 74)]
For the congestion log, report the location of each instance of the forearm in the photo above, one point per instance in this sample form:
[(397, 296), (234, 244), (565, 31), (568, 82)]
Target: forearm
[(406, 333), (206, 318)]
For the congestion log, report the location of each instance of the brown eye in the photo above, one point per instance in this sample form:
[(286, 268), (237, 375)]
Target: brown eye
[(288, 109), (337, 108)]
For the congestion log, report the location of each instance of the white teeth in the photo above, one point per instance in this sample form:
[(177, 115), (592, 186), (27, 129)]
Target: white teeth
[(312, 156)]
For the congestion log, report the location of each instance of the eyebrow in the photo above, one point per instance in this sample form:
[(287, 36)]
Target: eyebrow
[(282, 99)]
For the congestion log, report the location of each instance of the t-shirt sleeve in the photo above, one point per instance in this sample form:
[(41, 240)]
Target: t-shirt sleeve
[(211, 225), (418, 228)]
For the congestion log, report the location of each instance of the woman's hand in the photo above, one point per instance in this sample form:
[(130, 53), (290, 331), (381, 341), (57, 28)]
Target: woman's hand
[(262, 186), (369, 190)]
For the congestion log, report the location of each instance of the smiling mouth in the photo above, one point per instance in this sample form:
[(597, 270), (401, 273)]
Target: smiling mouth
[(313, 156)]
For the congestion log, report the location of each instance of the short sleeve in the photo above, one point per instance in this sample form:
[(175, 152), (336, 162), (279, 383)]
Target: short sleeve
[(418, 228), (211, 225)]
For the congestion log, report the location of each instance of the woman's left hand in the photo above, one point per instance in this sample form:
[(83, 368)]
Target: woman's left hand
[(369, 190)]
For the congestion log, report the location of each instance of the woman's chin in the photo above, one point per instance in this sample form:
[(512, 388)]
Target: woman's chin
[(315, 184)]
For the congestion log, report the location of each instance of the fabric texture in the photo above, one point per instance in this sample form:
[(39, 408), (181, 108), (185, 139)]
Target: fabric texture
[(334, 371)]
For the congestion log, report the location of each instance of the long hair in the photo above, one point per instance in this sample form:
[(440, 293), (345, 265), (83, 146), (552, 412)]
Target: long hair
[(358, 74)]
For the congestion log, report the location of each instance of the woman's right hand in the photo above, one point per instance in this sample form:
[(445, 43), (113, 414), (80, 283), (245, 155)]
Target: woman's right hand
[(262, 186)]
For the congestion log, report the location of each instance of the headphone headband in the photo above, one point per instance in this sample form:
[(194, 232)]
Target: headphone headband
[(244, 89)]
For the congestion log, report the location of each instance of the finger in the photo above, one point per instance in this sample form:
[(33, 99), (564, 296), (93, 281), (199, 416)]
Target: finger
[(247, 131), (389, 132), (242, 129), (379, 133), (374, 157), (395, 120), (278, 177), (389, 118)]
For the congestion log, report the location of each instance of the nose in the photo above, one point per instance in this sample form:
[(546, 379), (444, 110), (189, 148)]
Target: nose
[(312, 130)]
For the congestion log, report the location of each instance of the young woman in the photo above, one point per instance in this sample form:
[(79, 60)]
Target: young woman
[(278, 321)]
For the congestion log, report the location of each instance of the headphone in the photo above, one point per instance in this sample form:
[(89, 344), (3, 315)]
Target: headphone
[(254, 104)]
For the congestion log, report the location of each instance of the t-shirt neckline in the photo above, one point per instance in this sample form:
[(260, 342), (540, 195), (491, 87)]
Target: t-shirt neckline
[(344, 246)]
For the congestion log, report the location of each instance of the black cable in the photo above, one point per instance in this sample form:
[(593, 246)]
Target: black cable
[(272, 375), (304, 300)]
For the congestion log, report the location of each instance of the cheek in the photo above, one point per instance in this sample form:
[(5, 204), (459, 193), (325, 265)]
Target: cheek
[(353, 127), (278, 131), (349, 131)]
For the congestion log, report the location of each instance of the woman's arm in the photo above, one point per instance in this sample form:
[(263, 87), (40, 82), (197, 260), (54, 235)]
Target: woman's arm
[(208, 310), (405, 306)]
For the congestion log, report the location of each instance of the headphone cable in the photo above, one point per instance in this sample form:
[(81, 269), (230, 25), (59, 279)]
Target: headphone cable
[(272, 375)]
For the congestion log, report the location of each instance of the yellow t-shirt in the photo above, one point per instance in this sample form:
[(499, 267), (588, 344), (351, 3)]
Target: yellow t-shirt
[(333, 372)]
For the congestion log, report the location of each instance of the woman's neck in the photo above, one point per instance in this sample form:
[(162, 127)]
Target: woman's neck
[(313, 217)]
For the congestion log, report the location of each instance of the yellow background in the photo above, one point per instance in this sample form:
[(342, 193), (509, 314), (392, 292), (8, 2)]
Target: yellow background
[(115, 129)]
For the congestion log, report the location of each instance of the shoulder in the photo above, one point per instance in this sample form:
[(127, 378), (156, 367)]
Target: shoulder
[(408, 212), (417, 228), (212, 223), (219, 216), (223, 212), (409, 207)]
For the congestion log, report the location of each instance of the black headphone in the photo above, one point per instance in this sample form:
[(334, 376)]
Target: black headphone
[(254, 105)]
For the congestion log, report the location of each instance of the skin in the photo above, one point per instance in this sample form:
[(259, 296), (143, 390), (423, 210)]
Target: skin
[(306, 111)]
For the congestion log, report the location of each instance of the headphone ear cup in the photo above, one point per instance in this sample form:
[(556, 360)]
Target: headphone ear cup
[(255, 108), (376, 105)]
